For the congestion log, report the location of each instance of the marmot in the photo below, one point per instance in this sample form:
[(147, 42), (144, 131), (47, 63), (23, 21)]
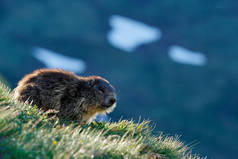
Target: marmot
[(74, 97)]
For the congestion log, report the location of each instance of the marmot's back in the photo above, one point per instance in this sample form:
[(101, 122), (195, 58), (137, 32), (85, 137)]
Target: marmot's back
[(75, 97)]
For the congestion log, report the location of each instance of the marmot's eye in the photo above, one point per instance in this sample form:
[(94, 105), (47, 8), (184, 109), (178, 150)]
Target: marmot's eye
[(101, 90), (98, 88)]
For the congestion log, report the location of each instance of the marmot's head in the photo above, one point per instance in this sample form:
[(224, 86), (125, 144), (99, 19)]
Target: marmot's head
[(98, 95)]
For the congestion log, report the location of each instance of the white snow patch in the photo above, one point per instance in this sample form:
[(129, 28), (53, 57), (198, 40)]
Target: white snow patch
[(102, 117), (54, 60), (185, 56), (127, 34)]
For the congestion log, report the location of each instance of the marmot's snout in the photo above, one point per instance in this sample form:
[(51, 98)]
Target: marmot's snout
[(109, 101)]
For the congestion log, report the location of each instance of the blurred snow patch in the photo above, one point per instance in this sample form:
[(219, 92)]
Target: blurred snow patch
[(182, 55), (54, 60), (102, 117), (127, 34)]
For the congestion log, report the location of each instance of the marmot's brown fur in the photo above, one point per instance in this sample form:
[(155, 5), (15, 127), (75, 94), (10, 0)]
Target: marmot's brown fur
[(74, 97)]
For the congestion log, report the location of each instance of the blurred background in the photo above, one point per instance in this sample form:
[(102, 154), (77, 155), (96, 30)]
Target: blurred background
[(173, 62)]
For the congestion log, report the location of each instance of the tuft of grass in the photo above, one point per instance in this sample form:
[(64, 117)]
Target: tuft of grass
[(3, 80), (27, 132)]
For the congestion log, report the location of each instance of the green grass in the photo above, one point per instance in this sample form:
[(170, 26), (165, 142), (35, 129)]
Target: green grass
[(3, 80), (26, 132)]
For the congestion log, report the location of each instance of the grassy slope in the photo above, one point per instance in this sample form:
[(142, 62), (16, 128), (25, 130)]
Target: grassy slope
[(26, 132), (3, 80)]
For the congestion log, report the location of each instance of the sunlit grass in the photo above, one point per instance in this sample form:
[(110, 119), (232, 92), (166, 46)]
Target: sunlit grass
[(26, 132)]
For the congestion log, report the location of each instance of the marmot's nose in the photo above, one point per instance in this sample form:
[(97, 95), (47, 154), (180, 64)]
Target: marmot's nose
[(109, 101)]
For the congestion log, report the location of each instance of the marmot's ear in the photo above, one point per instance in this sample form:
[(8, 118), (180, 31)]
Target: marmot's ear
[(91, 82)]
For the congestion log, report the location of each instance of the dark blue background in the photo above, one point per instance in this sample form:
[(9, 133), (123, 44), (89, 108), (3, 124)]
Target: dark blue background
[(199, 103)]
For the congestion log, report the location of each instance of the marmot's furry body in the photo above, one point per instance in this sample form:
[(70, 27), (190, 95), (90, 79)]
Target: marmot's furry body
[(75, 97)]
